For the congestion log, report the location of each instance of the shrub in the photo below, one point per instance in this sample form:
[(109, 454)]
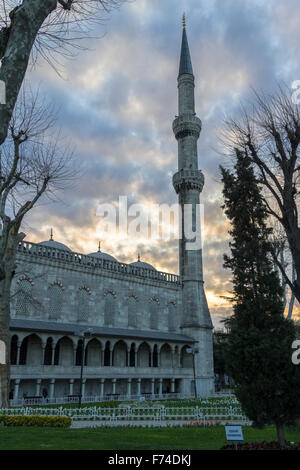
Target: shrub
[(36, 420)]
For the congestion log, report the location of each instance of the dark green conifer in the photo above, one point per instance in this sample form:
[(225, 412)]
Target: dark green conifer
[(259, 345)]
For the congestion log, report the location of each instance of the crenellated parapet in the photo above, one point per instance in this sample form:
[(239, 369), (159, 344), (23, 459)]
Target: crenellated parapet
[(185, 125), (39, 252), (187, 179)]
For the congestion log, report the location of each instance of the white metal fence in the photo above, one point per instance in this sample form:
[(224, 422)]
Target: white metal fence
[(33, 401), (128, 413)]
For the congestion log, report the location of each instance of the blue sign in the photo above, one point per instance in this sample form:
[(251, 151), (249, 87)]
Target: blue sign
[(234, 432)]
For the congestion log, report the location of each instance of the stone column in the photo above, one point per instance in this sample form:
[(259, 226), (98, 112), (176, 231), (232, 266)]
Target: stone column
[(53, 353), (151, 358), (158, 358), (83, 387), (43, 353), (129, 387), (135, 357), (102, 387), (74, 355), (160, 386), (52, 384), (172, 385), (102, 357), (172, 357), (16, 390), (128, 357), (152, 386), (18, 352), (178, 358), (138, 386), (110, 358), (38, 387), (114, 385), (71, 387)]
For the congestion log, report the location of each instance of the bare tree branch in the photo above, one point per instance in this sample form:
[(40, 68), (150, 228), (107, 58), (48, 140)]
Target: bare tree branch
[(45, 28), (32, 165), (269, 134)]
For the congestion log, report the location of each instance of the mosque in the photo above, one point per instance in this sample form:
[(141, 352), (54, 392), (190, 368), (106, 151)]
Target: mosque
[(137, 331)]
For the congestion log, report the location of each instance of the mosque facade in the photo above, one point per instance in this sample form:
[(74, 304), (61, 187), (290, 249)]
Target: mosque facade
[(129, 329)]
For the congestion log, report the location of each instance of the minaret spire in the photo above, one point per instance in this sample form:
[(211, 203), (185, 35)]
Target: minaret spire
[(185, 66), (188, 183)]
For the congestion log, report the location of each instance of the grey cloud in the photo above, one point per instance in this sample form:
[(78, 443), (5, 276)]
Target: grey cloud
[(120, 97)]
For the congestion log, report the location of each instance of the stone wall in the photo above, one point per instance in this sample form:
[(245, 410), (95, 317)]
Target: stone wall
[(53, 290)]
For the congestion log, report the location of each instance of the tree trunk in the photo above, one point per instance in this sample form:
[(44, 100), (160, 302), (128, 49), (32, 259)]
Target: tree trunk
[(26, 21), (280, 435), (7, 270), (5, 337)]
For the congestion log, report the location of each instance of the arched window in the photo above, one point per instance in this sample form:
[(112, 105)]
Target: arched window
[(144, 355), (109, 309), (23, 351), (24, 297), (55, 301), (166, 356), (107, 354), (154, 306), (48, 352), (82, 305), (13, 350), (120, 354), (132, 311), (172, 323), (155, 356), (132, 355)]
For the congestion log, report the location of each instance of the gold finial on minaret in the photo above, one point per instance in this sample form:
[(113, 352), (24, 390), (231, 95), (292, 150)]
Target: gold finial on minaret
[(99, 247), (51, 234), (183, 20), (139, 257)]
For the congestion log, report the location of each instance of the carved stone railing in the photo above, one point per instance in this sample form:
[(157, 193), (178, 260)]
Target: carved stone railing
[(186, 124), (188, 178), (40, 251)]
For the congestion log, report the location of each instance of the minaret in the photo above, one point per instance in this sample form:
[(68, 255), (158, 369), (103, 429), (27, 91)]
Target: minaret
[(188, 183)]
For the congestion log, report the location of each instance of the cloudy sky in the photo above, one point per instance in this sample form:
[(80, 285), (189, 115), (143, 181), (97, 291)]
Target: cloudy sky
[(117, 101)]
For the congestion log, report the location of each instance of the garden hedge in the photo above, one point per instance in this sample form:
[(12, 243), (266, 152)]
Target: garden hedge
[(36, 420)]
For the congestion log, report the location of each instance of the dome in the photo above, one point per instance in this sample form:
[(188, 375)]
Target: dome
[(142, 264), (101, 255), (53, 244)]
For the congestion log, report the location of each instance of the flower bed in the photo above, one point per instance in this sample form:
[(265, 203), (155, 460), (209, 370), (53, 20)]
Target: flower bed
[(202, 423), (274, 445)]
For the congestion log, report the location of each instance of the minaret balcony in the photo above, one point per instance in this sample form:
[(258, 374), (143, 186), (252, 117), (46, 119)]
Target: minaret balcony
[(187, 124), (188, 179)]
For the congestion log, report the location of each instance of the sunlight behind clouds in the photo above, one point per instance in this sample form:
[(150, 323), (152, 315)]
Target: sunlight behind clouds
[(119, 98)]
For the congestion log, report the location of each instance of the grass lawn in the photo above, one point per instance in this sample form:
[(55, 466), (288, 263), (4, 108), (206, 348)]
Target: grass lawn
[(21, 438)]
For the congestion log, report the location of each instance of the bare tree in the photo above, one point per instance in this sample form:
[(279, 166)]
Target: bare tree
[(47, 27), (283, 256), (269, 134), (32, 164)]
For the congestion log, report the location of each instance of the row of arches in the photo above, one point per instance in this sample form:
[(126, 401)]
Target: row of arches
[(26, 303), (66, 351), (100, 387)]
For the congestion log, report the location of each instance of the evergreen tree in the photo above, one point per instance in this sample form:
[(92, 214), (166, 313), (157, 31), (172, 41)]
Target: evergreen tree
[(258, 351)]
